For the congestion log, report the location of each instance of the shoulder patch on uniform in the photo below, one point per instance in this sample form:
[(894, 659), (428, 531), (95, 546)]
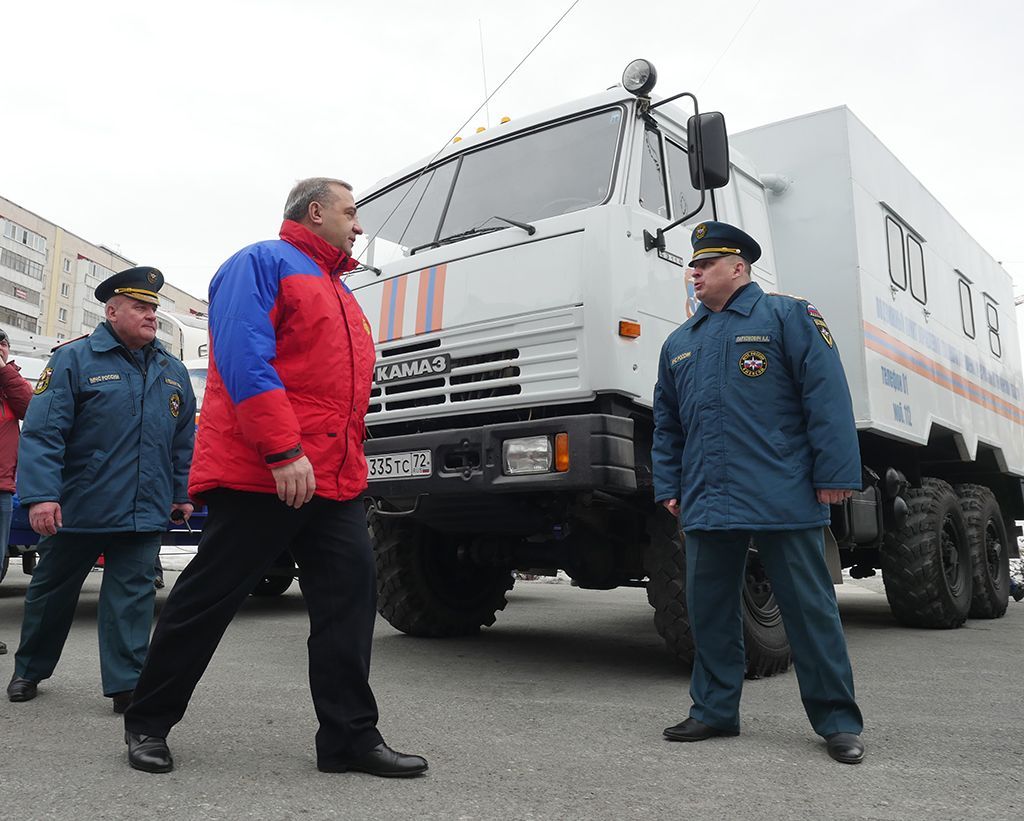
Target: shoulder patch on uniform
[(826, 334), (753, 363), (44, 380), (813, 312), (680, 357), (106, 377), (68, 342), (754, 338), (174, 404)]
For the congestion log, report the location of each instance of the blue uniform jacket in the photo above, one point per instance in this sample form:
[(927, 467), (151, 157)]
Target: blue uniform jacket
[(112, 447), (752, 413)]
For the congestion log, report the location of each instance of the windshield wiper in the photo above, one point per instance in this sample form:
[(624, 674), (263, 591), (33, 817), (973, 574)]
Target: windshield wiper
[(473, 232)]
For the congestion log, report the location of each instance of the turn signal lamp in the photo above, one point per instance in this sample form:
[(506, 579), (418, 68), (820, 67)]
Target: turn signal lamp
[(630, 330), (561, 452), (457, 140), (480, 129), (506, 120), (639, 78)]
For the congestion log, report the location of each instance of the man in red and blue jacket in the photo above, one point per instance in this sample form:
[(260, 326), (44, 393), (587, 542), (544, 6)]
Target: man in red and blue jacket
[(279, 462)]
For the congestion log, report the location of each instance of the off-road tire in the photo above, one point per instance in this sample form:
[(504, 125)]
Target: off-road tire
[(665, 566), (277, 583), (990, 551), (926, 565), (422, 587), (764, 636)]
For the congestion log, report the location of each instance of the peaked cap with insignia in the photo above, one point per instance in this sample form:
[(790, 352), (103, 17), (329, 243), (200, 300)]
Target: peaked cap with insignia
[(718, 239), (138, 283)]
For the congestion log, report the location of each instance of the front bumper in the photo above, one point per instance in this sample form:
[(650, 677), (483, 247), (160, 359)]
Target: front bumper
[(468, 460)]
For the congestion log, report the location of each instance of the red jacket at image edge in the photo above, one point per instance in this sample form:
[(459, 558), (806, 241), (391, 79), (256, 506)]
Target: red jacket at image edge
[(291, 362), (15, 393)]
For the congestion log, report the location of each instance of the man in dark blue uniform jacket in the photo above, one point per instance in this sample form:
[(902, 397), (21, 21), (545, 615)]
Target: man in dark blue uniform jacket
[(755, 437), (103, 463)]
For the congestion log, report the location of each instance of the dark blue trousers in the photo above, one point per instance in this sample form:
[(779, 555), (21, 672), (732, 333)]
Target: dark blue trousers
[(795, 563), (125, 614)]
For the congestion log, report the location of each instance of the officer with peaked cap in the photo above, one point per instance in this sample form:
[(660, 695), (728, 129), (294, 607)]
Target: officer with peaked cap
[(103, 462), (754, 439)]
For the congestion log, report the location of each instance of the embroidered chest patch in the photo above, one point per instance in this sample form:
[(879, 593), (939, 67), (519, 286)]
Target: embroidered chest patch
[(680, 357), (754, 338), (106, 377), (172, 383), (753, 363), (174, 403)]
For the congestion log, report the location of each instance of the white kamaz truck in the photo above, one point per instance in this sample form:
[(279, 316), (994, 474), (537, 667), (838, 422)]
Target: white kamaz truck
[(520, 285)]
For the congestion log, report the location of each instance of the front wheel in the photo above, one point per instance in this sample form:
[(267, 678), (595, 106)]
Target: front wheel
[(424, 588), (764, 636)]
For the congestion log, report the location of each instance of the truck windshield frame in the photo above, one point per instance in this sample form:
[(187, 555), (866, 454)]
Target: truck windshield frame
[(557, 168)]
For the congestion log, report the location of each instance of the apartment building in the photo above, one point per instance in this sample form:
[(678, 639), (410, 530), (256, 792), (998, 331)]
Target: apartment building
[(48, 275)]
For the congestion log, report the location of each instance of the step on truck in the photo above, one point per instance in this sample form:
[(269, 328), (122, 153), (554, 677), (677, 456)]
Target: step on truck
[(521, 283)]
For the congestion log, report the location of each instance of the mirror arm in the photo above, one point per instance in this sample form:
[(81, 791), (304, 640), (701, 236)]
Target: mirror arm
[(657, 239)]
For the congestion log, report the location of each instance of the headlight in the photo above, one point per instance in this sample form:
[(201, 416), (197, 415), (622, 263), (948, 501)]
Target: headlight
[(531, 454), (639, 78)]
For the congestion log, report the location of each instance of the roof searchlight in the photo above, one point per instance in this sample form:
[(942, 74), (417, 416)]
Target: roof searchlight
[(707, 142)]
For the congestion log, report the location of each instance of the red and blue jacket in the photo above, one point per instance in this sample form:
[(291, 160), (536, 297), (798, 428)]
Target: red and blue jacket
[(291, 361)]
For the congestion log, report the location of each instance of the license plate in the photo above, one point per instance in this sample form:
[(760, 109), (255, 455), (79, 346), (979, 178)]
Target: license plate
[(413, 464)]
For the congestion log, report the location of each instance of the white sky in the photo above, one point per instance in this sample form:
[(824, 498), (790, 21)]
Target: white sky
[(173, 131)]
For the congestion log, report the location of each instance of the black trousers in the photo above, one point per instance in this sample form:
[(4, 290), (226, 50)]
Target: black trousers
[(244, 533)]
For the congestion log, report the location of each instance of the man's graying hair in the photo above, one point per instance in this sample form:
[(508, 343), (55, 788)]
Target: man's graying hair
[(315, 189)]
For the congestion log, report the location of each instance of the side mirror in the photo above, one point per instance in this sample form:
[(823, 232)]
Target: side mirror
[(713, 151)]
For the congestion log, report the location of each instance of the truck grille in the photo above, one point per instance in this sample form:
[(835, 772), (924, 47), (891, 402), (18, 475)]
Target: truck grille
[(484, 368), (465, 382)]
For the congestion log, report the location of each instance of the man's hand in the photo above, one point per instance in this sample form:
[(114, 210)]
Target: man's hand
[(832, 496), (672, 506), (295, 482), (186, 509), (45, 518)]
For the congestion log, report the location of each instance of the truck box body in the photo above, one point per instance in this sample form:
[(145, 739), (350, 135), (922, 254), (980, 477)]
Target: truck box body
[(914, 368)]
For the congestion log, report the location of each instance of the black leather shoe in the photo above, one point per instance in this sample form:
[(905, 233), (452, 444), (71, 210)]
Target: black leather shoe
[(122, 700), (382, 761), (21, 689), (148, 753), (693, 730), (847, 748), (158, 582)]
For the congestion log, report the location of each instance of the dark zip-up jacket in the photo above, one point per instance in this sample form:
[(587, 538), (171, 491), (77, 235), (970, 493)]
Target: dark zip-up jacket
[(111, 445)]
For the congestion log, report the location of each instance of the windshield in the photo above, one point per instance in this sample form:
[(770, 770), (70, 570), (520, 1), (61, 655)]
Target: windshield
[(544, 173)]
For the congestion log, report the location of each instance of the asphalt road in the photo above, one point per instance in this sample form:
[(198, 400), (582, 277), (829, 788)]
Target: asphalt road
[(555, 713)]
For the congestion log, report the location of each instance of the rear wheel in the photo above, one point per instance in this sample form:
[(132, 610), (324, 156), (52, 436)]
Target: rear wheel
[(764, 636), (990, 554), (926, 565), (424, 589)]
